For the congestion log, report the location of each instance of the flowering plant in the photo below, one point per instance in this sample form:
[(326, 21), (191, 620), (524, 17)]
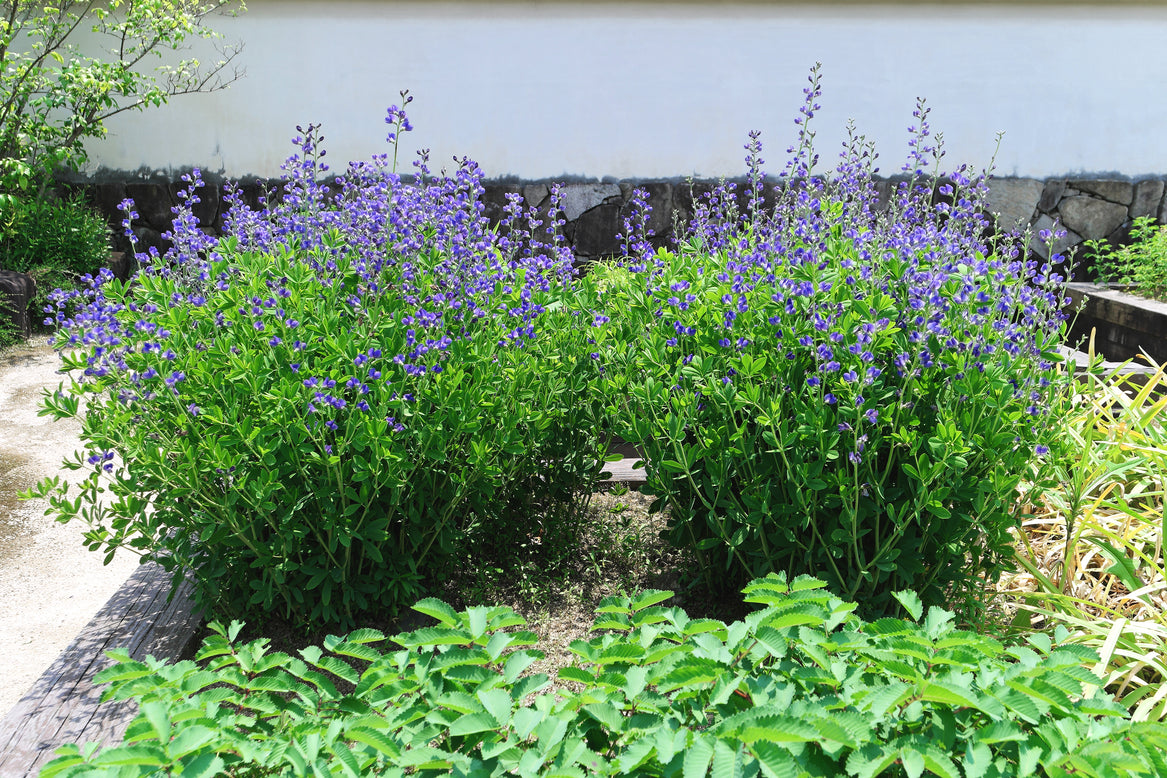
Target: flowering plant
[(825, 387), (313, 414)]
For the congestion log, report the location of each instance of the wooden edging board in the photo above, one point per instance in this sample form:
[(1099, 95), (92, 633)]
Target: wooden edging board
[(62, 706)]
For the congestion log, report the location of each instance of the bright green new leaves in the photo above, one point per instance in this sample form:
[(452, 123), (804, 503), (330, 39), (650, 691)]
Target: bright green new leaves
[(830, 695), (66, 67)]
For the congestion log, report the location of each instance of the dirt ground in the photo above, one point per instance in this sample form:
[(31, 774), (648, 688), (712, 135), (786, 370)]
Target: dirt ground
[(50, 584)]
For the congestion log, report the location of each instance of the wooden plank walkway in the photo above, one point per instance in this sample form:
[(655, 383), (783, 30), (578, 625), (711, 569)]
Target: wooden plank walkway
[(62, 706), (623, 472)]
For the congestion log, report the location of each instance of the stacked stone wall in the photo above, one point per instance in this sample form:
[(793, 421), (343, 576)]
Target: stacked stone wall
[(594, 211)]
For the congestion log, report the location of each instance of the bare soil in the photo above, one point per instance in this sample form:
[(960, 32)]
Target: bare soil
[(619, 551)]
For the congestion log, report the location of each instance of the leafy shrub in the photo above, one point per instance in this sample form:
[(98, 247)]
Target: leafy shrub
[(823, 387), (1142, 264), (67, 67), (800, 688), (317, 413), (57, 242)]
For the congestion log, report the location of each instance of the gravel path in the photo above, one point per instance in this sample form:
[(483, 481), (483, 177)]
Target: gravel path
[(50, 585)]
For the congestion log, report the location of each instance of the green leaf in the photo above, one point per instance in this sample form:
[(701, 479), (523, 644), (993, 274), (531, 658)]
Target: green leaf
[(376, 740), (606, 714), (577, 674), (1122, 566), (471, 723), (498, 704), (145, 755), (205, 765), (911, 603), (648, 598), (939, 762), (727, 761), (697, 756), (431, 606), (949, 694), (775, 761)]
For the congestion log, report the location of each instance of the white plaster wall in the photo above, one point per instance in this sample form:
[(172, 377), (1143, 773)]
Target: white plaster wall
[(666, 89)]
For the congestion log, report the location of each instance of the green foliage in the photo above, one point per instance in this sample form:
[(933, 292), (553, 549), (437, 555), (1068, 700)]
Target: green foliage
[(65, 235), (1142, 264), (1091, 559), (905, 481), (57, 242), (294, 462), (800, 688), (65, 68)]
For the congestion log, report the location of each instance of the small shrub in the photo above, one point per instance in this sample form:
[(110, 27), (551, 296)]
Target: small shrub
[(823, 387), (1142, 264), (800, 688), (57, 242), (318, 413)]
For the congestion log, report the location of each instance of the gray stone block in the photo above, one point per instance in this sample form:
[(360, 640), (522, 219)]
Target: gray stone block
[(16, 293), (1090, 217), (594, 233), (1121, 192), (535, 194), (579, 198), (1013, 201), (1051, 195), (1148, 195)]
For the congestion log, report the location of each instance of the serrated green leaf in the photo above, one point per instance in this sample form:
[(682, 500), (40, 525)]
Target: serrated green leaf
[(471, 723), (577, 674), (497, 703), (639, 752), (606, 714), (525, 720), (648, 598), (911, 603), (144, 754), (775, 761), (619, 653), (939, 762), (190, 738), (433, 636), (205, 765), (948, 693), (347, 760), (376, 740), (366, 635), (701, 626), (697, 757), (912, 761), (460, 702), (727, 762)]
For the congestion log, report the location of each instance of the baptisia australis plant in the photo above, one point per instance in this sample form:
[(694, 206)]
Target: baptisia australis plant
[(825, 386), (314, 414)]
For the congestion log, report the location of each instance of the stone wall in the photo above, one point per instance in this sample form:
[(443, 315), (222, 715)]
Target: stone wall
[(1089, 209)]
